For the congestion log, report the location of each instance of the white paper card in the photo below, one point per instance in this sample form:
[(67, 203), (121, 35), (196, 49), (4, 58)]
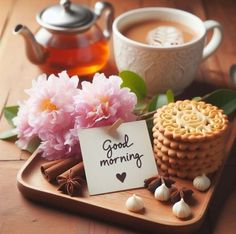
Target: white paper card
[(117, 161)]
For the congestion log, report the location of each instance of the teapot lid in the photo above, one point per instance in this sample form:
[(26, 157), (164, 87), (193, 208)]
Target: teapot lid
[(66, 16)]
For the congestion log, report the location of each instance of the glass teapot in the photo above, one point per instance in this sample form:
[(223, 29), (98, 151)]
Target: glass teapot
[(69, 38)]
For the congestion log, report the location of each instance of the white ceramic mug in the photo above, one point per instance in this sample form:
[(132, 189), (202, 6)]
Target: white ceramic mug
[(164, 68)]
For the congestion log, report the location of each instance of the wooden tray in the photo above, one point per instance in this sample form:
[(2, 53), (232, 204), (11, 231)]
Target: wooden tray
[(111, 207)]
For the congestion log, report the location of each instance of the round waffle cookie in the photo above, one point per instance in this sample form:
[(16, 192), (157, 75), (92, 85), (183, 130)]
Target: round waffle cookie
[(187, 172), (190, 121), (196, 167), (178, 145), (188, 154), (188, 163), (189, 138)]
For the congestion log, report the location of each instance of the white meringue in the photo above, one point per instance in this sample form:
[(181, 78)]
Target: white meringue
[(134, 203), (181, 209), (162, 193), (201, 183)]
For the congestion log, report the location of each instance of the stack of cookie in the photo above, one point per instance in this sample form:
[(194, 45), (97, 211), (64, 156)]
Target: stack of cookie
[(189, 138)]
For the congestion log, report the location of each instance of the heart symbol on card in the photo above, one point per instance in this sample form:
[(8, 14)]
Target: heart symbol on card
[(121, 177)]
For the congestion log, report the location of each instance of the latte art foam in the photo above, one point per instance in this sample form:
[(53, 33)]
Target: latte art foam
[(165, 36), (159, 33)]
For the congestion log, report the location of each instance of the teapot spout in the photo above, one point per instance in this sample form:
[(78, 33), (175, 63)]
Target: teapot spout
[(35, 52)]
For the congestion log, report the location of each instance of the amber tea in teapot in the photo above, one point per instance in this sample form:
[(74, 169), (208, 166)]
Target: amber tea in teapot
[(71, 42), (81, 55)]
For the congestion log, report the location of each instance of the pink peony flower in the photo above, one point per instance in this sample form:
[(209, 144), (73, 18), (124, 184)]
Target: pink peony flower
[(51, 102), (48, 114), (60, 145), (56, 109), (103, 101), (25, 132)]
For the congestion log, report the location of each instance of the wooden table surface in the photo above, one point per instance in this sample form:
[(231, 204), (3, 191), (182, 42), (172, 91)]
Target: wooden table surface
[(18, 215)]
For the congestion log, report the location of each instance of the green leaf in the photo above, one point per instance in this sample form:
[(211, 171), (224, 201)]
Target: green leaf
[(135, 83), (222, 98), (10, 112), (161, 100), (157, 102), (140, 107), (170, 96), (153, 103), (33, 145), (8, 134), (197, 98)]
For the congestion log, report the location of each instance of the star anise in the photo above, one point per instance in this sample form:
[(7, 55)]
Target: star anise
[(153, 182), (177, 193), (70, 185)]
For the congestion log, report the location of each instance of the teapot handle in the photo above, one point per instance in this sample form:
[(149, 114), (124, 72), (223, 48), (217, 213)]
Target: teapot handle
[(99, 8)]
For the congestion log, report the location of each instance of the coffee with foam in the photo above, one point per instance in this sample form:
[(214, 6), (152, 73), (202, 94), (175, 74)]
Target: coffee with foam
[(159, 33)]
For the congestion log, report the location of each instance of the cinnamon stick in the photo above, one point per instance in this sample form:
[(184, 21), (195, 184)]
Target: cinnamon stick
[(46, 165), (51, 171), (75, 171)]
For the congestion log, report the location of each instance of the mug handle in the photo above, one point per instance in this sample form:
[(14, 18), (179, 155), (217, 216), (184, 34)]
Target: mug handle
[(99, 9), (216, 38)]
